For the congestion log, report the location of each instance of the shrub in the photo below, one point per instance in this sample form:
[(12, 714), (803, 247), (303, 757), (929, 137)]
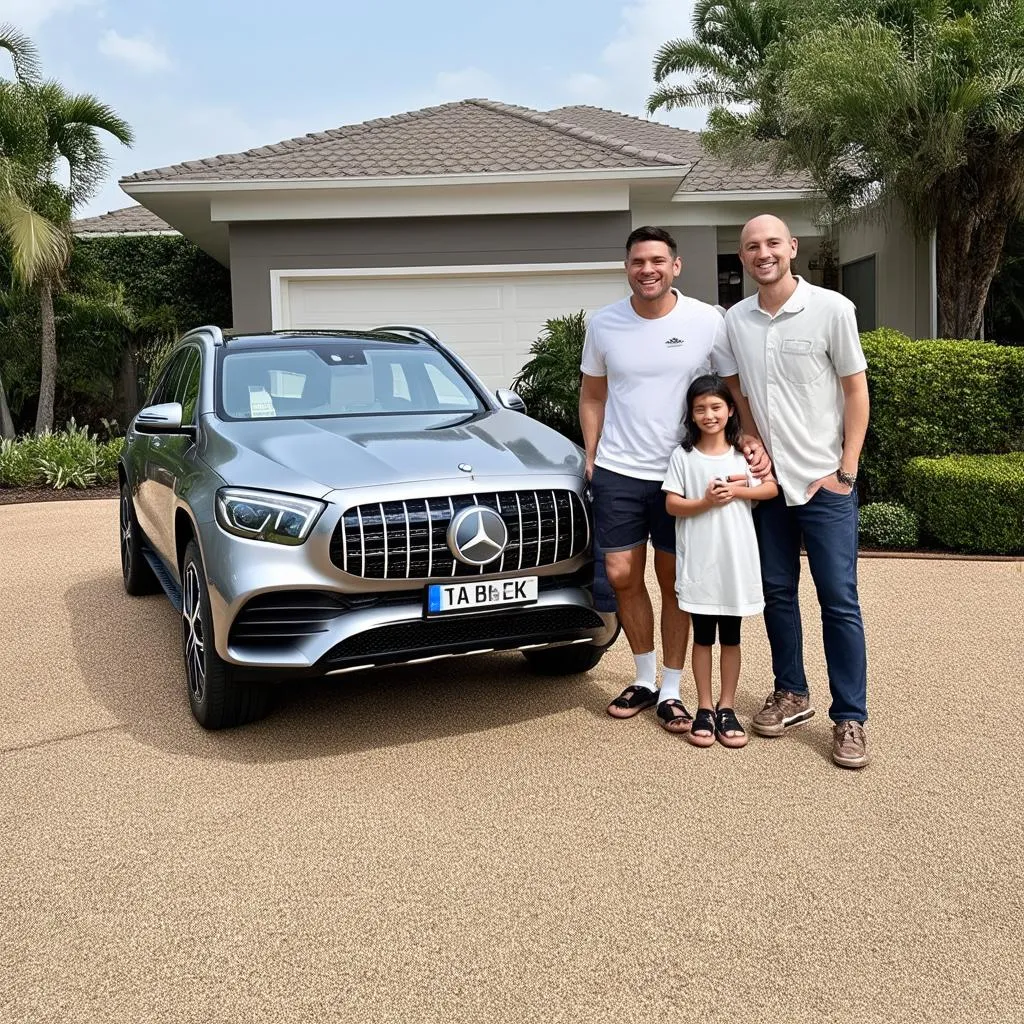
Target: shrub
[(70, 458), (934, 398), (970, 502), (886, 524), (549, 383)]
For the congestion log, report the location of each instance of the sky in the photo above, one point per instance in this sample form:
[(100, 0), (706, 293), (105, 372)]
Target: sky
[(196, 78)]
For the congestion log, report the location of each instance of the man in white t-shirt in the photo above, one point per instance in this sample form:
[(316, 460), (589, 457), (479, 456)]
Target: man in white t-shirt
[(640, 356), (795, 366)]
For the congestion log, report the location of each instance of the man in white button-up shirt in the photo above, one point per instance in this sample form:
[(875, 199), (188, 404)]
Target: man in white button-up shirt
[(797, 372)]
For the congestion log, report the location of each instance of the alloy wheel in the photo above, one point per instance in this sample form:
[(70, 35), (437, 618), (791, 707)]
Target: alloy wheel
[(126, 535), (192, 624)]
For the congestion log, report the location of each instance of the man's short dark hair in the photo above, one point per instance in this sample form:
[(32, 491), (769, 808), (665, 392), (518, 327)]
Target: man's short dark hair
[(652, 234)]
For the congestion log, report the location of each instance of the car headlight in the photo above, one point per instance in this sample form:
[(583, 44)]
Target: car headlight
[(263, 515)]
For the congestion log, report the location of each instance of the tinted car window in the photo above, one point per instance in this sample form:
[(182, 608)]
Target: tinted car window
[(165, 390), (187, 390), (347, 377)]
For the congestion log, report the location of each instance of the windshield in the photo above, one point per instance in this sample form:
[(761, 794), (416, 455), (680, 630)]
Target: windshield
[(341, 377)]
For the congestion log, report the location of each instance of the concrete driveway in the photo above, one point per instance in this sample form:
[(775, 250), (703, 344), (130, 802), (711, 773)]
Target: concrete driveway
[(465, 842)]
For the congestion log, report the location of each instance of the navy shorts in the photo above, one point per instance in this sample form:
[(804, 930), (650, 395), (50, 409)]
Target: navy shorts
[(628, 512)]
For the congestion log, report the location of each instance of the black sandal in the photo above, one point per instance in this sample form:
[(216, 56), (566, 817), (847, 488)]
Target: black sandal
[(633, 699), (702, 732), (673, 716), (725, 722)]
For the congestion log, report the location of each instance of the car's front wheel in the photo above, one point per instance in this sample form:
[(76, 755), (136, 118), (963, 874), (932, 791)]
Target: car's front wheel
[(217, 699), (138, 576)]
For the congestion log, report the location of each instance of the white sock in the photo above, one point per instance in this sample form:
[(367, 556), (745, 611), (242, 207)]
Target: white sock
[(646, 670), (670, 678)]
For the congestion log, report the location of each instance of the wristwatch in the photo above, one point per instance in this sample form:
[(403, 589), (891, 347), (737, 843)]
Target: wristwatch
[(846, 478)]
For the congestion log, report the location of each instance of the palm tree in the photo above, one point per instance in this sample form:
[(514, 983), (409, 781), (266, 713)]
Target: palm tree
[(45, 130), (916, 103)]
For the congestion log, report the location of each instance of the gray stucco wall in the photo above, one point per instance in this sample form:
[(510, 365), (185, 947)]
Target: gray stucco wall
[(698, 249), (259, 247), (902, 268)]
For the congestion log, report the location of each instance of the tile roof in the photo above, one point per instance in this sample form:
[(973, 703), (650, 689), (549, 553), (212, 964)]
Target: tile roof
[(479, 136), (471, 136), (709, 173), (129, 220)]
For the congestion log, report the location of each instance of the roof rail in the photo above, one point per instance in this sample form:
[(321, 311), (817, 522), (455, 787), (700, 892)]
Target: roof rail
[(215, 332), (423, 333)]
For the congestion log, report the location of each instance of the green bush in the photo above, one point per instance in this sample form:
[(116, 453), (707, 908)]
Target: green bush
[(69, 458), (886, 524), (934, 398), (549, 383), (970, 502)]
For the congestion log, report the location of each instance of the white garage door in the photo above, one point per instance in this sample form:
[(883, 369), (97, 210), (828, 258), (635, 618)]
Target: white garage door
[(490, 319)]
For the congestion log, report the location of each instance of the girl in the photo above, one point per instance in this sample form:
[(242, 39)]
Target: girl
[(718, 579)]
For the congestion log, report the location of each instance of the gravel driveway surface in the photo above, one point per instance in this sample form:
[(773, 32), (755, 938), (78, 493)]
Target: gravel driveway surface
[(465, 842)]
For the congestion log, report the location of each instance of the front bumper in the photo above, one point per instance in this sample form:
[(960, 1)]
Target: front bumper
[(283, 610)]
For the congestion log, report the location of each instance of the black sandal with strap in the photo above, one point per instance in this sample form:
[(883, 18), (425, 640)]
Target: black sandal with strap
[(702, 732), (633, 699), (673, 716), (726, 722)]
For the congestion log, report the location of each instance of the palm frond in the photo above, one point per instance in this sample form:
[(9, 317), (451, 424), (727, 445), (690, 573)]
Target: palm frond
[(24, 55), (38, 246)]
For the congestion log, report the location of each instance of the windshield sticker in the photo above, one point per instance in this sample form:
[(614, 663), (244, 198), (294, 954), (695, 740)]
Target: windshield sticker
[(260, 403)]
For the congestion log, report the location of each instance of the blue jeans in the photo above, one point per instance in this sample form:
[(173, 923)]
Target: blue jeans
[(827, 524)]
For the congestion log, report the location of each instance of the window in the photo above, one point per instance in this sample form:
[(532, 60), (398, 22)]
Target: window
[(860, 288), (341, 377), (165, 391), (187, 390), (730, 280)]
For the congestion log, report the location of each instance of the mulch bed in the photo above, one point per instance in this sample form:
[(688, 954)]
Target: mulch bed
[(20, 495)]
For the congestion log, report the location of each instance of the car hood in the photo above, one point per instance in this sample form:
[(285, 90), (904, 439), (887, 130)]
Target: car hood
[(317, 456)]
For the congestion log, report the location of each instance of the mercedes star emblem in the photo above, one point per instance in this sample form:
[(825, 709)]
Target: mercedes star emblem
[(477, 535)]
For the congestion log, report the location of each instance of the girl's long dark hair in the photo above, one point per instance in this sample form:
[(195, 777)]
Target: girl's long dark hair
[(710, 384)]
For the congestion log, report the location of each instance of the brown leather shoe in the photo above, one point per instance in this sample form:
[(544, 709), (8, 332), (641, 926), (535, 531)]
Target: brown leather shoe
[(850, 744), (782, 711)]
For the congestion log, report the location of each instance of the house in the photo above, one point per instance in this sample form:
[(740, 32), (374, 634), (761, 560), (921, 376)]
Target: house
[(482, 220)]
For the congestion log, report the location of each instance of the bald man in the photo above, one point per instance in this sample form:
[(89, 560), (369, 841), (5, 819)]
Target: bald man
[(797, 371)]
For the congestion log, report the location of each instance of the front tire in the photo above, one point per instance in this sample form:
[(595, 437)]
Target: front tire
[(218, 701), (138, 576)]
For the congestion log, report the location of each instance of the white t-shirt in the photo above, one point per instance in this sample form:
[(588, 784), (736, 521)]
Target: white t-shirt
[(649, 364), (791, 367), (717, 562)]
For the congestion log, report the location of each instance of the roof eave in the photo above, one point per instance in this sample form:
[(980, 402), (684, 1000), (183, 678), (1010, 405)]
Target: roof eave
[(136, 187), (728, 195)]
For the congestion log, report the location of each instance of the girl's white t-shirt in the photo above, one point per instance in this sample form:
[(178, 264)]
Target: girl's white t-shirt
[(649, 364), (717, 561)]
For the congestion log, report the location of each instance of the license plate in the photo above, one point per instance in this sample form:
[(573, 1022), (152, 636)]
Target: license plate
[(468, 597)]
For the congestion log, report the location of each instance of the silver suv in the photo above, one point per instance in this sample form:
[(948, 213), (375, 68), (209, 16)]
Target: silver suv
[(316, 503)]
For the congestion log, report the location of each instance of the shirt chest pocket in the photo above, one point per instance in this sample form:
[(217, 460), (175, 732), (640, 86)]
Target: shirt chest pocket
[(802, 360)]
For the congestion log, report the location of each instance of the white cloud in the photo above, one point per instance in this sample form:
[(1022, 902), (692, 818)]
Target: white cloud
[(622, 78), (28, 15), (138, 53)]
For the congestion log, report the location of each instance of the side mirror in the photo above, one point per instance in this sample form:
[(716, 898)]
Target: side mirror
[(510, 400), (162, 419)]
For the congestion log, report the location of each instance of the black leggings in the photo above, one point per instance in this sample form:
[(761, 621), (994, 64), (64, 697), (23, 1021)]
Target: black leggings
[(704, 629)]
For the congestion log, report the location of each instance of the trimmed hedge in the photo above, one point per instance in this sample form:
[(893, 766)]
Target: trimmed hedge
[(972, 503), (934, 398), (886, 524)]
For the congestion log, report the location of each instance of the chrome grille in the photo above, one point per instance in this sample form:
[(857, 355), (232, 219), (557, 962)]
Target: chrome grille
[(393, 540)]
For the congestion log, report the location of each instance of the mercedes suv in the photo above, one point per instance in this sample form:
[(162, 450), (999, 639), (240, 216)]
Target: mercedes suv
[(318, 503)]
